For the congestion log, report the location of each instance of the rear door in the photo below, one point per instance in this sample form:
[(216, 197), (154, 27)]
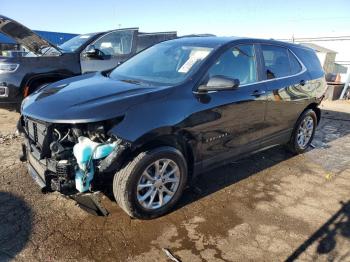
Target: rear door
[(285, 78), (115, 47)]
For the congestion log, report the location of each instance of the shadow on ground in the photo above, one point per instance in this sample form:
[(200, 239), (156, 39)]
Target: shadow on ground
[(332, 126), (325, 237), (15, 225)]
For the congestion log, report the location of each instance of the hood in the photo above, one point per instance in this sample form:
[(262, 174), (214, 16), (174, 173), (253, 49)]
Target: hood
[(24, 36), (86, 98)]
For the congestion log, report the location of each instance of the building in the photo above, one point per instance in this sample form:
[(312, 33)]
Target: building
[(327, 58), (7, 43)]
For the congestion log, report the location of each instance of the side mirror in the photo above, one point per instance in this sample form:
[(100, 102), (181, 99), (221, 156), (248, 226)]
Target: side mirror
[(219, 83), (92, 51)]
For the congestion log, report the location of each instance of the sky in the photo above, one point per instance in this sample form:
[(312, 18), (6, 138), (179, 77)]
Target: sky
[(255, 18)]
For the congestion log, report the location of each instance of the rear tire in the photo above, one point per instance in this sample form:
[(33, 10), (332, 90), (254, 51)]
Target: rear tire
[(145, 193), (303, 133)]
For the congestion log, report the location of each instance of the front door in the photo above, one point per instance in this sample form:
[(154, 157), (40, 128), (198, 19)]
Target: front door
[(235, 117), (113, 48)]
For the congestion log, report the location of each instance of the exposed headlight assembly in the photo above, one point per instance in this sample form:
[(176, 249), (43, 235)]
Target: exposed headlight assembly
[(8, 68)]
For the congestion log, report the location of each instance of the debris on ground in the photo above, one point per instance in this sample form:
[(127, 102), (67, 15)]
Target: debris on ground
[(170, 256), (5, 138)]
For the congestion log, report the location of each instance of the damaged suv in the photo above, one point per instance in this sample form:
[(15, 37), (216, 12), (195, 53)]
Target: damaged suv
[(169, 113)]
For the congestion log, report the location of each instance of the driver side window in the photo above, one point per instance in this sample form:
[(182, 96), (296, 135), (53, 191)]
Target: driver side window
[(115, 43), (238, 62)]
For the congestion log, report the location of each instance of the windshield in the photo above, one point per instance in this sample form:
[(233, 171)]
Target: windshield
[(73, 44), (167, 63)]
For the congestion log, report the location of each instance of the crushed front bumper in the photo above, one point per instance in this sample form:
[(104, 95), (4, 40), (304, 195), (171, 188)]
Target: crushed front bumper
[(48, 173), (89, 202)]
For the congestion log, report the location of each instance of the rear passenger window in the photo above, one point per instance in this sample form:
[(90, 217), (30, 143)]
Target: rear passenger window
[(279, 62), (276, 61)]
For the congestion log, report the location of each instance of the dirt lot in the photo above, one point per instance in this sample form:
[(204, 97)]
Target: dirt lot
[(272, 206)]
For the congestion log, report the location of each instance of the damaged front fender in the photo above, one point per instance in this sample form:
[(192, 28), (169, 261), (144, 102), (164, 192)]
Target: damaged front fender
[(113, 161)]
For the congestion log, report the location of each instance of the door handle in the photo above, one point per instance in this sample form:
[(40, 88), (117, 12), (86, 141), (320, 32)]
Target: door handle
[(258, 93)]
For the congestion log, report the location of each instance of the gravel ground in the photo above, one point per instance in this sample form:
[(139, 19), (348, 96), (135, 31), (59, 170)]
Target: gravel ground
[(272, 206)]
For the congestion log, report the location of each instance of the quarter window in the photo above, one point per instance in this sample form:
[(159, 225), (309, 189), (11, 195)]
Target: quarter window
[(295, 66), (237, 63)]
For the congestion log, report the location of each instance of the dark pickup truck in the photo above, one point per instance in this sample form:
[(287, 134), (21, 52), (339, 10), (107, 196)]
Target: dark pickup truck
[(46, 63)]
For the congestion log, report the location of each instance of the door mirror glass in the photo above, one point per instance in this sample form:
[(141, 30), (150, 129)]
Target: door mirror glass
[(219, 83)]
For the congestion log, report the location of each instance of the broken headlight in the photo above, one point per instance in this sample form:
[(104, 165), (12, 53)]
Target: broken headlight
[(98, 131)]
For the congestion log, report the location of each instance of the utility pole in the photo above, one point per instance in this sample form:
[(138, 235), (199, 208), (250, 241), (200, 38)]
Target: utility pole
[(347, 82)]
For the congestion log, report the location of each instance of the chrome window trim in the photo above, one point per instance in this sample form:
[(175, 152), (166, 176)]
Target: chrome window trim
[(303, 70)]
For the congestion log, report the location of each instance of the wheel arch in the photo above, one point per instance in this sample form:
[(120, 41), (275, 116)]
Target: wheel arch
[(181, 140), (316, 109), (31, 82)]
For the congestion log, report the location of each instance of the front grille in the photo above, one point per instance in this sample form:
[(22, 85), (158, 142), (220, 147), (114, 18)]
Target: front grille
[(40, 136)]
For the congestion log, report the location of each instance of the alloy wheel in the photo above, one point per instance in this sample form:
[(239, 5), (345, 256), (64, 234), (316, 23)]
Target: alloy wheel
[(158, 184), (305, 132)]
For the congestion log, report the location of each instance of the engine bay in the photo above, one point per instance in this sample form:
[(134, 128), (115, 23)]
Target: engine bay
[(72, 156)]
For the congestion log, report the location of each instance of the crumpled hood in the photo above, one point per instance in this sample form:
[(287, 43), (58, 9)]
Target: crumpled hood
[(87, 98)]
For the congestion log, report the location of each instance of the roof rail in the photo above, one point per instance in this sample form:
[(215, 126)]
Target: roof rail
[(197, 35), (159, 33)]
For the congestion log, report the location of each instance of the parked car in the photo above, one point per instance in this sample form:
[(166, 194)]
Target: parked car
[(47, 63), (174, 110)]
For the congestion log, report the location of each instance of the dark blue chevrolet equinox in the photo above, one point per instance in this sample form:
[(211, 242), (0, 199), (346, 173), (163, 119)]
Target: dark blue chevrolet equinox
[(167, 114)]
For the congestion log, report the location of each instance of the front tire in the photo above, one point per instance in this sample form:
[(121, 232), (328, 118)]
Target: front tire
[(151, 184), (303, 132)]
